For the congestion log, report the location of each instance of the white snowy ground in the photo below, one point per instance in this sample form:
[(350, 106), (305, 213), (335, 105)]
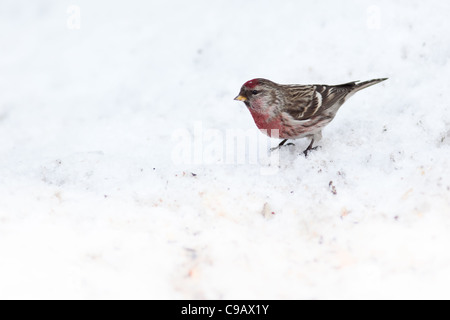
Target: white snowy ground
[(97, 195)]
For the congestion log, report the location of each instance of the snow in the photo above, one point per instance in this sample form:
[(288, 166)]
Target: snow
[(120, 177)]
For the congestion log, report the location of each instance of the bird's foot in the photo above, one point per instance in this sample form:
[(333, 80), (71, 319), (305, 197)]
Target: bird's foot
[(306, 152), (281, 145)]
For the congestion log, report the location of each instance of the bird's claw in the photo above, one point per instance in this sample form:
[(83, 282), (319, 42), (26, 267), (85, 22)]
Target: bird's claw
[(283, 145), (308, 150)]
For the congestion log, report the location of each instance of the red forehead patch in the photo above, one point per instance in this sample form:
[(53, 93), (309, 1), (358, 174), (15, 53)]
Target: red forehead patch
[(252, 83)]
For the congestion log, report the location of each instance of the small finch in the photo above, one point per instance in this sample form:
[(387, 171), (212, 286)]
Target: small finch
[(296, 111)]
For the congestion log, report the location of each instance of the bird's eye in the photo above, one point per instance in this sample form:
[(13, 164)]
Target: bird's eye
[(255, 92)]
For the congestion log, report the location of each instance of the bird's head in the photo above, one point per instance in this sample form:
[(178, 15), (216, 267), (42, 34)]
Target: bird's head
[(257, 93)]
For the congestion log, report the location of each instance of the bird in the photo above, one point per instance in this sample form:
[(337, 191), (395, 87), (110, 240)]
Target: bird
[(296, 111)]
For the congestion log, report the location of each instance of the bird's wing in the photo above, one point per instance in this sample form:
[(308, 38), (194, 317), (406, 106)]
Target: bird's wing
[(304, 102)]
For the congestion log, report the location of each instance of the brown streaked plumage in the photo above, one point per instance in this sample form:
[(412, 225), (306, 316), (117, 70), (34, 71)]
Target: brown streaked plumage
[(296, 111)]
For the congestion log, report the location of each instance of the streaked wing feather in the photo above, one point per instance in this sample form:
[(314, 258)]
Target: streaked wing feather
[(299, 100), (332, 94), (304, 102)]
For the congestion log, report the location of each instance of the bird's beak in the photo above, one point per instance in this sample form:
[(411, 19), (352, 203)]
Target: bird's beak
[(240, 98)]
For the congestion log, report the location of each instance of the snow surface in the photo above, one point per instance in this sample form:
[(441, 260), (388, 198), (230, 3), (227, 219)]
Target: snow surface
[(118, 179)]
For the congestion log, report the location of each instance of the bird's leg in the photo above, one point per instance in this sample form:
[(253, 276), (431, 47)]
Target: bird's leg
[(282, 144), (310, 147)]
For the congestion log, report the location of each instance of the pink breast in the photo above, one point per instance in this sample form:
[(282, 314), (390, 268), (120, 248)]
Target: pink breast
[(286, 129), (263, 123)]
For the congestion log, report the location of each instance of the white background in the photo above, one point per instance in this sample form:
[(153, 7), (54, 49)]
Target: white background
[(95, 202)]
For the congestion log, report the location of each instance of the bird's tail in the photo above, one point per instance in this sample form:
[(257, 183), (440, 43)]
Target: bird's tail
[(351, 88), (358, 85)]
